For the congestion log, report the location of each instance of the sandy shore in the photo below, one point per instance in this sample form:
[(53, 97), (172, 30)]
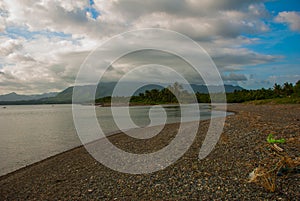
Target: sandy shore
[(223, 175)]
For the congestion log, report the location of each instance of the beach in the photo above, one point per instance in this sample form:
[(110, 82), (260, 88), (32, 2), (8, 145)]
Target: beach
[(223, 175)]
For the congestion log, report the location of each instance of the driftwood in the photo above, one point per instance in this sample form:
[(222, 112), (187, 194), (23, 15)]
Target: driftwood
[(274, 159)]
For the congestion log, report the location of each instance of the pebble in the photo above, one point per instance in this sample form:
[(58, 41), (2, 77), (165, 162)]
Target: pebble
[(222, 175)]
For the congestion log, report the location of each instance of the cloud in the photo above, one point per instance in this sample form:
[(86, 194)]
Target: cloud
[(255, 82), (291, 18), (231, 58), (197, 19), (133, 9), (9, 46), (69, 16), (280, 79), (44, 42), (234, 77), (208, 22), (3, 16), (43, 64)]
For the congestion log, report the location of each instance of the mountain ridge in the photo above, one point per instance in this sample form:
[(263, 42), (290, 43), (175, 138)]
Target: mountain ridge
[(13, 96), (85, 93)]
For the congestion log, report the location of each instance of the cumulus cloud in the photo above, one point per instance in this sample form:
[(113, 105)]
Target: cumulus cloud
[(197, 19), (291, 18), (3, 16), (234, 77), (231, 58), (202, 20), (60, 16), (44, 62), (283, 78), (9, 46)]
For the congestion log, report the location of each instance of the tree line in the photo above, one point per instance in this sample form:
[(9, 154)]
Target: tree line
[(287, 90), (171, 94)]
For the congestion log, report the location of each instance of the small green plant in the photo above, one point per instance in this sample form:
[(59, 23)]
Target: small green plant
[(272, 140)]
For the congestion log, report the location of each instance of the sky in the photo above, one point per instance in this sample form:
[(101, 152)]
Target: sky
[(254, 43)]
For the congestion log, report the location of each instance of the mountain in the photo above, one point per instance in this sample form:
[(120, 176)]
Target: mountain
[(215, 89), (103, 89), (17, 97), (85, 93)]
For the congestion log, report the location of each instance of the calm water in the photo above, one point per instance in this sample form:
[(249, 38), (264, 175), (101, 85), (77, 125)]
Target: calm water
[(31, 133)]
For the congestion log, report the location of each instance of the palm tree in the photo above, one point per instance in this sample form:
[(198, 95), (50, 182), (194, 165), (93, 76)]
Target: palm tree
[(288, 88), (297, 89), (277, 89)]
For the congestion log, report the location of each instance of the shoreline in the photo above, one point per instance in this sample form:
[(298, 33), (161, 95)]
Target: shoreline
[(74, 174), (36, 163), (108, 135), (78, 145)]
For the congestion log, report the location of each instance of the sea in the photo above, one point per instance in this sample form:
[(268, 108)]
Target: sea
[(31, 133)]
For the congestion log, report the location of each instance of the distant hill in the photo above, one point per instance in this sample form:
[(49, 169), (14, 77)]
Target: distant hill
[(103, 90), (17, 97), (215, 89), (106, 89), (85, 93)]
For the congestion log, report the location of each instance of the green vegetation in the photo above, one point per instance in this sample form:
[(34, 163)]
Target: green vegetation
[(287, 93), (272, 140), (279, 94), (151, 97), (287, 100)]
